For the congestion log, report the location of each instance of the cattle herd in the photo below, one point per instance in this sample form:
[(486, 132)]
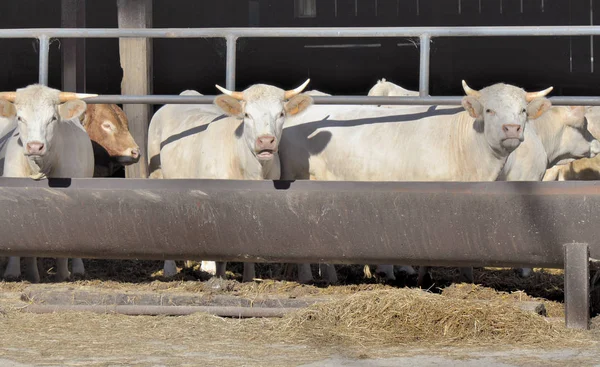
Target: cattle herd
[(501, 133)]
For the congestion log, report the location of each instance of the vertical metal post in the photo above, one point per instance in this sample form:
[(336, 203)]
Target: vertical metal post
[(230, 62), (577, 284), (425, 39), (44, 56)]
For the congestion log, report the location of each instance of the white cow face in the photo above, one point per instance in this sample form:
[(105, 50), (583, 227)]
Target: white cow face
[(574, 139), (38, 112), (263, 109), (503, 110)]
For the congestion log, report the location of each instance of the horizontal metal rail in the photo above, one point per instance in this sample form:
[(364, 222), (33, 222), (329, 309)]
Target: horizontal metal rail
[(421, 223), (425, 34), (333, 100), (301, 32)]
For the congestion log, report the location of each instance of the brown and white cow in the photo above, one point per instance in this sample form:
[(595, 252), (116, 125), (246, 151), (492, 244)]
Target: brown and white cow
[(48, 141), (108, 128), (191, 141)]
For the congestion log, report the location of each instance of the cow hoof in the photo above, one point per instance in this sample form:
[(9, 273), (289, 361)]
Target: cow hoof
[(61, 277), (169, 269)]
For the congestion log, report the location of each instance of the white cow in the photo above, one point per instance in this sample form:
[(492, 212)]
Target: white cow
[(559, 134), (374, 144), (385, 88), (581, 169), (49, 141), (198, 142)]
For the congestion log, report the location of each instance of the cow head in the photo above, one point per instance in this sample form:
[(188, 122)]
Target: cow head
[(567, 128), (107, 126), (502, 110), (263, 109), (38, 110)]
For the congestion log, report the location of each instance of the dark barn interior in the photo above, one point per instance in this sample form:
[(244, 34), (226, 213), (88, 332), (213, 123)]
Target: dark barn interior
[(338, 66)]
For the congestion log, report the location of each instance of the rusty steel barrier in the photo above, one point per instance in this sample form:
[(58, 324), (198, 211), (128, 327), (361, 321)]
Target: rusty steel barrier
[(422, 223)]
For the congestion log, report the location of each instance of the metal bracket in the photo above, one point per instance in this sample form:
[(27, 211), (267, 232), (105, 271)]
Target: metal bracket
[(577, 285)]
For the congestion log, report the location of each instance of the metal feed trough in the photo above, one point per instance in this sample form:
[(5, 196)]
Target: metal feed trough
[(514, 224)]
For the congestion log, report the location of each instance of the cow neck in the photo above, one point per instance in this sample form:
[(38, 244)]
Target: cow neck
[(485, 163), (549, 131)]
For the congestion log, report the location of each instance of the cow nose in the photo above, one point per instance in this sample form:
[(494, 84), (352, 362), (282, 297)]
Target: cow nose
[(265, 142), (512, 131), (35, 147), (135, 152)]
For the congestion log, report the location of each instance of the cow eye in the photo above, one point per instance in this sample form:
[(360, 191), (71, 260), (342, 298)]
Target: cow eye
[(524, 111), (488, 111), (107, 126), (246, 116), (282, 114)]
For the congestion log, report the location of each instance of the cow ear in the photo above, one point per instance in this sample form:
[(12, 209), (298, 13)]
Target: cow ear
[(575, 116), (298, 104), (72, 109), (7, 109), (229, 105), (472, 106), (537, 107)]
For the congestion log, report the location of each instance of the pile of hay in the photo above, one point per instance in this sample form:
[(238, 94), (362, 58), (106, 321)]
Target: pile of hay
[(478, 292), (396, 317)]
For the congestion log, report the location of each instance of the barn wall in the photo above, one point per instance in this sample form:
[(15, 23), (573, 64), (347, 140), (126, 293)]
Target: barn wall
[(199, 64)]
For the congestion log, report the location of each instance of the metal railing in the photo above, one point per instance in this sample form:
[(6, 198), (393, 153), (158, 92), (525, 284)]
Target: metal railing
[(425, 35)]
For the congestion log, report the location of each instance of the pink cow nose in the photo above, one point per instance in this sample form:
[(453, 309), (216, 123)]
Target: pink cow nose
[(512, 131), (135, 152), (35, 147), (265, 142)]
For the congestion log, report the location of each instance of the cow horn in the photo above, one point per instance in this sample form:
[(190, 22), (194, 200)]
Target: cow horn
[(290, 93), (236, 95), (67, 96), (469, 91), (9, 96), (530, 96)]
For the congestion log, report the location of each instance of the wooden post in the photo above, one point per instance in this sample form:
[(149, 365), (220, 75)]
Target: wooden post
[(73, 49), (136, 62)]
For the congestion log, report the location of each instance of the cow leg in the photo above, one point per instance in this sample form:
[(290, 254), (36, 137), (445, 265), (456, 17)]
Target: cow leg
[(31, 270), (328, 273), (304, 273), (77, 267), (169, 268), (387, 271), (209, 266), (62, 269), (249, 273), (221, 269), (525, 272), (423, 272), (13, 268), (466, 274)]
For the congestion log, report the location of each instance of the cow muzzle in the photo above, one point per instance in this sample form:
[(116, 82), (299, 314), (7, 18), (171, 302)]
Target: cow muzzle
[(512, 131), (265, 147), (35, 148), (129, 156)]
